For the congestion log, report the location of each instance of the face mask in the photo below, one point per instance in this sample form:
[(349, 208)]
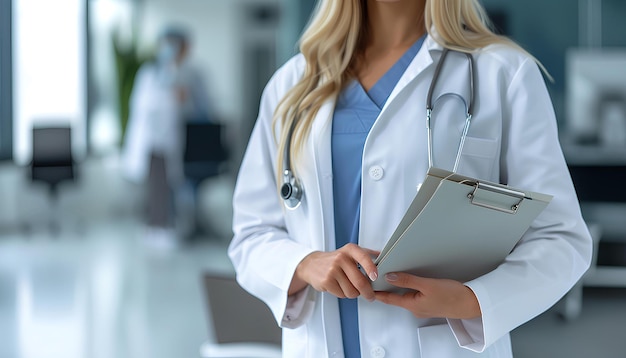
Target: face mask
[(167, 53)]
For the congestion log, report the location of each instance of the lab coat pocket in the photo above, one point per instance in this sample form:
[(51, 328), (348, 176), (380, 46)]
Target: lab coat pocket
[(438, 341), (478, 157)]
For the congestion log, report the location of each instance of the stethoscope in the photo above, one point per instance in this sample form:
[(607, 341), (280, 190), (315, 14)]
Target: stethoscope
[(291, 191)]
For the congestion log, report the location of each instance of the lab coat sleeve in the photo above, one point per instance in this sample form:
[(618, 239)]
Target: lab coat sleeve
[(556, 250), (137, 139), (263, 253)]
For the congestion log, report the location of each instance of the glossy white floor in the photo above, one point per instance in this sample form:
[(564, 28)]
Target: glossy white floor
[(102, 292), (103, 288)]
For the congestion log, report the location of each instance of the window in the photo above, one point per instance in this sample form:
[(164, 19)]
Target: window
[(6, 117), (49, 71)]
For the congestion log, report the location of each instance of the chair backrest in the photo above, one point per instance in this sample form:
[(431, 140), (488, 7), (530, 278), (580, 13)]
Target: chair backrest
[(599, 183), (52, 146), (203, 142), (52, 161), (237, 316)]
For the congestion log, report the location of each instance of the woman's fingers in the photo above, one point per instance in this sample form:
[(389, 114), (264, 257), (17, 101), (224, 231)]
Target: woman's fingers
[(429, 297), (338, 272), (405, 280), (363, 257)]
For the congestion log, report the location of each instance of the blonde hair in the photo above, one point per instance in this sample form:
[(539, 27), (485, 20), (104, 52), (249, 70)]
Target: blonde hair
[(332, 41)]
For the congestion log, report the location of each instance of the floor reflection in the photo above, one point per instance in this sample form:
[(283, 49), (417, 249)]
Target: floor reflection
[(51, 306), (103, 292)]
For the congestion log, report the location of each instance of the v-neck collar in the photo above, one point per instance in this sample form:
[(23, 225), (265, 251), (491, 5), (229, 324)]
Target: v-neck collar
[(380, 91)]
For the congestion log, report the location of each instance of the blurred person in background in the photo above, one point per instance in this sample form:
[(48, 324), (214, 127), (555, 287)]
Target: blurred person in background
[(168, 92)]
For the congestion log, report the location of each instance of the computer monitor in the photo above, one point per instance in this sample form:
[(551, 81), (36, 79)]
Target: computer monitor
[(596, 96)]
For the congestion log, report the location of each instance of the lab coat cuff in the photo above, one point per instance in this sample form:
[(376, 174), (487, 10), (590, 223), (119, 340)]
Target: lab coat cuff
[(299, 308), (298, 305), (469, 333)]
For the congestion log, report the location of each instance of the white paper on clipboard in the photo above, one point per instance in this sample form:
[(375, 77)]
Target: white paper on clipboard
[(457, 227)]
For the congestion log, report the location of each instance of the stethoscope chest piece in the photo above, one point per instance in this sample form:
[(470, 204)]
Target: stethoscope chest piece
[(291, 191)]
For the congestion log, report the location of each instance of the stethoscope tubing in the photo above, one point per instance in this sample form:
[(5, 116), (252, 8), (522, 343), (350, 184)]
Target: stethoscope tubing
[(291, 183), (430, 106)]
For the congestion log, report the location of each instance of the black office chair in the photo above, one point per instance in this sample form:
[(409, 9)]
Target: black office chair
[(52, 161), (204, 157), (204, 153)]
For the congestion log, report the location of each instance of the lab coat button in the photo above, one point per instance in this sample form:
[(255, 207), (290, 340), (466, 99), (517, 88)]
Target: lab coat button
[(377, 352), (376, 172)]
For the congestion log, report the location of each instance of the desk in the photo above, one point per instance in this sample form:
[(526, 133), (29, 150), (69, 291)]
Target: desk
[(599, 174)]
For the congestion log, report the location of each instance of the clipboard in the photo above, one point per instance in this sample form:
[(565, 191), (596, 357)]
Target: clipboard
[(457, 227)]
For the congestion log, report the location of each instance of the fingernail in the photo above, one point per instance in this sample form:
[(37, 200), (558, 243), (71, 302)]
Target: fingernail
[(373, 276), (391, 277)]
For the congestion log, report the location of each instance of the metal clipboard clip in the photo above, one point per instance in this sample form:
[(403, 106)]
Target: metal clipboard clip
[(496, 197)]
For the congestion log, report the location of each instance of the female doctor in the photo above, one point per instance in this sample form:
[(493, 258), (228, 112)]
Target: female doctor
[(338, 149)]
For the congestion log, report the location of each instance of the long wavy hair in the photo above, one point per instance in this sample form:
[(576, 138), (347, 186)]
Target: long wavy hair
[(334, 39)]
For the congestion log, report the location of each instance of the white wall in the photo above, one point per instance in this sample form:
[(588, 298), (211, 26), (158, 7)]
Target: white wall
[(221, 34), (219, 31), (215, 28), (215, 51)]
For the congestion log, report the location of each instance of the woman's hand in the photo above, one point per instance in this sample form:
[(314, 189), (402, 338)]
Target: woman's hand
[(337, 272), (429, 297)]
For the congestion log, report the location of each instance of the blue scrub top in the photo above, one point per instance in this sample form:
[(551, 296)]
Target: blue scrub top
[(355, 113)]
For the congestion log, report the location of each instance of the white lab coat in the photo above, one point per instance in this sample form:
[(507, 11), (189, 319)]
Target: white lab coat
[(513, 139)]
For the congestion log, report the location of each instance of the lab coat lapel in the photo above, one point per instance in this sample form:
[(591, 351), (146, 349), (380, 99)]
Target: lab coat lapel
[(422, 60), (321, 135), (321, 132)]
